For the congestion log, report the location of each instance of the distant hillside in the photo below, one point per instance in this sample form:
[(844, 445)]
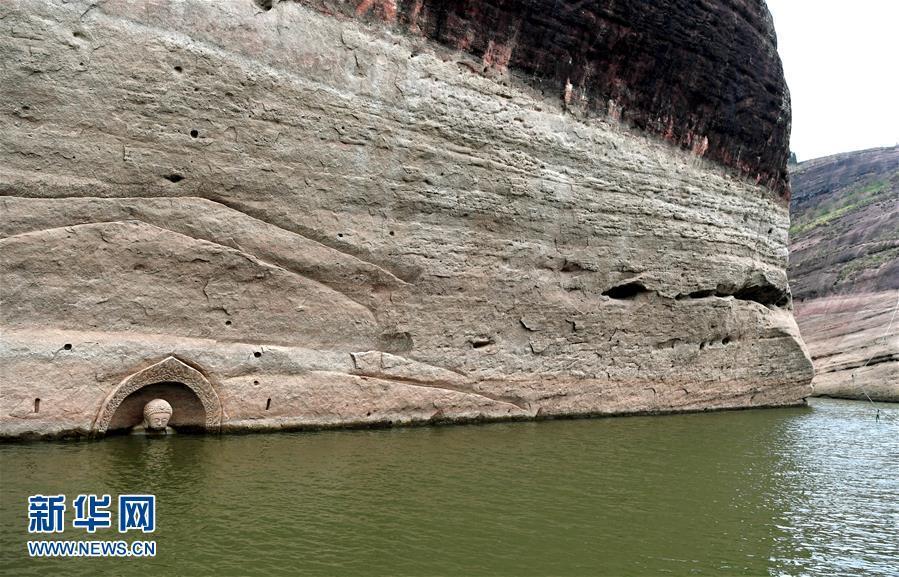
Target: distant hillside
[(844, 270)]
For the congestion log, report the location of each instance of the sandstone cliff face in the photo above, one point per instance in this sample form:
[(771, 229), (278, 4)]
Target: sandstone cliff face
[(844, 270), (328, 214)]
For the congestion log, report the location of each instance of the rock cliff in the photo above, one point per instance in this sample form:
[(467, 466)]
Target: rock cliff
[(306, 214), (844, 270)]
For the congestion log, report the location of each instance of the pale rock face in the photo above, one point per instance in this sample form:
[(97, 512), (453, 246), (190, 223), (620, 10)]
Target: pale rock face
[(854, 343), (338, 225)]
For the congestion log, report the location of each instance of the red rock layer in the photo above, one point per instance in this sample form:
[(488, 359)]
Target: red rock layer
[(704, 75)]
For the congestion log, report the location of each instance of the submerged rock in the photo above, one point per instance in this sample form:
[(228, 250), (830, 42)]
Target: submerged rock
[(294, 214), (844, 270)]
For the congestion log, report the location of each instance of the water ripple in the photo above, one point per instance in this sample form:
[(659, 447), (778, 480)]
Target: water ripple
[(779, 492)]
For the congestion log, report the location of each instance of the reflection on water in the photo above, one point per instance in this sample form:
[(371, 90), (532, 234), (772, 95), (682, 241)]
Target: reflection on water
[(789, 491)]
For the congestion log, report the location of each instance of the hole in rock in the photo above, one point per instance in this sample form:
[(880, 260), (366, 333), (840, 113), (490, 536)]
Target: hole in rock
[(481, 343), (340, 235), (391, 233), (256, 383), (178, 69), (194, 133), (725, 340), (188, 414), (174, 178), (67, 346), (227, 323), (268, 404), (758, 290), (37, 405), (764, 294), (626, 291), (257, 354), (264, 4)]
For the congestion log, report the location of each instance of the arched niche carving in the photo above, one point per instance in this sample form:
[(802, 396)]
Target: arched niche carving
[(169, 370)]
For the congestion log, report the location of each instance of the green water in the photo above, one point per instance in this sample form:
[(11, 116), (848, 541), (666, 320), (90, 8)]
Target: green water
[(810, 491)]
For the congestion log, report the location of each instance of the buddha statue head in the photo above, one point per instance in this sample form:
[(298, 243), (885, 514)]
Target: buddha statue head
[(157, 414)]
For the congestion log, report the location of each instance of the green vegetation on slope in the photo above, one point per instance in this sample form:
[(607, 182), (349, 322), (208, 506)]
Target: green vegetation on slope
[(868, 262), (838, 207)]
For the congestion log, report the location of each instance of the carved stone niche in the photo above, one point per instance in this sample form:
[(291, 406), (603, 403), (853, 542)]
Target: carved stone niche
[(194, 401)]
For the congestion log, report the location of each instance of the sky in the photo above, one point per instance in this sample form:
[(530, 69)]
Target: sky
[(841, 61)]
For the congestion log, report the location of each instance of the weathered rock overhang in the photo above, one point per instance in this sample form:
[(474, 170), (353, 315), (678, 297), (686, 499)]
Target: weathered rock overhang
[(333, 222), (704, 76)]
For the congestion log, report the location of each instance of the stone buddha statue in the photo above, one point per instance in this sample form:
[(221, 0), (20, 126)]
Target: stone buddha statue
[(156, 419)]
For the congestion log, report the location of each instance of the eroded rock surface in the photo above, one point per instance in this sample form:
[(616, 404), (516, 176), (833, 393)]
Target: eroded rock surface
[(344, 214), (844, 271)]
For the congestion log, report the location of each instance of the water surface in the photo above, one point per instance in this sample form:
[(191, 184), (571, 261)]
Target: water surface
[(808, 491)]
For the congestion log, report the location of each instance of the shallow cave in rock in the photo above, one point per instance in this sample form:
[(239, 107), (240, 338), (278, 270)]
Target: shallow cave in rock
[(764, 294), (626, 291), (188, 414)]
